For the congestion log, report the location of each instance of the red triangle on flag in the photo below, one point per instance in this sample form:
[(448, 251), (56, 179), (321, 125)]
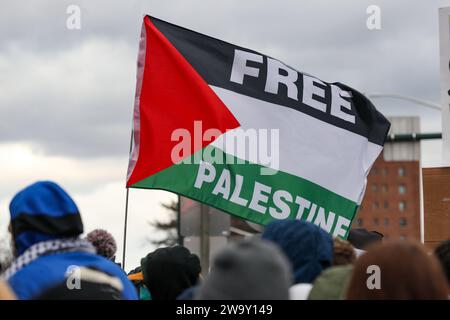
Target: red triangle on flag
[(173, 96)]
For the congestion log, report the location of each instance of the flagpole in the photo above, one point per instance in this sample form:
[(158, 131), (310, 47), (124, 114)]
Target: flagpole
[(125, 230), (126, 215)]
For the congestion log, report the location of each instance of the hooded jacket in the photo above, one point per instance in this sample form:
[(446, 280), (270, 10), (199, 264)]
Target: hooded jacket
[(308, 247), (41, 215)]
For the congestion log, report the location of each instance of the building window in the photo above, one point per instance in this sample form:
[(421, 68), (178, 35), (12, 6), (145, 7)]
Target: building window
[(403, 222), (385, 171), (386, 204), (401, 172), (375, 205), (385, 188), (376, 221), (402, 206), (402, 237), (374, 187), (359, 222), (386, 221), (402, 189), (374, 171)]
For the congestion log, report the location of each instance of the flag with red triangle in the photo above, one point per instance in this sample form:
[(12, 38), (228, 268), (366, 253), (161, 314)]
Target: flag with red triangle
[(248, 134)]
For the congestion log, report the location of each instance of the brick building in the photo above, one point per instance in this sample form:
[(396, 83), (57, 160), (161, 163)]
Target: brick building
[(391, 203)]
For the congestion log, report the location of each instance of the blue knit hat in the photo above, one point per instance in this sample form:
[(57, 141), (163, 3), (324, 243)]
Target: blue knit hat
[(308, 247), (43, 211)]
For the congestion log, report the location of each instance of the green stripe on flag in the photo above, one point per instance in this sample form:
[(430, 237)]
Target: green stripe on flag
[(327, 209)]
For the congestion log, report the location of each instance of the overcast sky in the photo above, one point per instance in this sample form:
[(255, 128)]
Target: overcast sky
[(66, 96)]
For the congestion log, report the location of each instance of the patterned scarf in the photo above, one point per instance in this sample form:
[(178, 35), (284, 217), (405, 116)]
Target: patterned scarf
[(45, 248)]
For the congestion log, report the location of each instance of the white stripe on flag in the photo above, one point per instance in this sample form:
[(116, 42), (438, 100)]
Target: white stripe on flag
[(329, 156)]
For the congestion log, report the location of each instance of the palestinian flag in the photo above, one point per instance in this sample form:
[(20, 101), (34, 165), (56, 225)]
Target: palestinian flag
[(247, 134)]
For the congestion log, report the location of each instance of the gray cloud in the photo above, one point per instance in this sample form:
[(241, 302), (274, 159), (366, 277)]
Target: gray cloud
[(71, 92)]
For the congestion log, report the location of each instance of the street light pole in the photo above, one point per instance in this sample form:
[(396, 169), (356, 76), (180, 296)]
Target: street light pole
[(421, 102)]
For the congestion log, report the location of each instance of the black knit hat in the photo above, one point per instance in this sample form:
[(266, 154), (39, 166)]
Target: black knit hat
[(169, 271)]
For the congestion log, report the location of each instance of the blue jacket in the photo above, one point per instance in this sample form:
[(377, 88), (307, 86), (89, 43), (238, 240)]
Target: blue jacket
[(44, 211), (48, 271)]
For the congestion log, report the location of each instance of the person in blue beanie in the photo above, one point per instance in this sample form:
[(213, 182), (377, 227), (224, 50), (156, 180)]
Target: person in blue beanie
[(308, 247), (46, 227)]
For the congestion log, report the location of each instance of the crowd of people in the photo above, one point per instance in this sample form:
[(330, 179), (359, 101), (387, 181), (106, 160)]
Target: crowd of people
[(290, 260)]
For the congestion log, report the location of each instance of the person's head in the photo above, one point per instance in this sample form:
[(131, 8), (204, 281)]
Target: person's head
[(42, 211), (103, 242), (169, 271), (399, 270), (308, 247), (247, 270), (442, 252), (343, 252)]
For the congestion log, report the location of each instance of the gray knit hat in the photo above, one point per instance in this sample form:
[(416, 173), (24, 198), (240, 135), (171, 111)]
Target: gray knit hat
[(248, 270)]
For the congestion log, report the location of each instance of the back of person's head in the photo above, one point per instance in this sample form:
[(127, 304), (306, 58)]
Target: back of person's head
[(169, 271), (104, 243), (43, 211), (308, 247), (252, 269), (442, 251), (397, 270), (46, 226), (343, 252)]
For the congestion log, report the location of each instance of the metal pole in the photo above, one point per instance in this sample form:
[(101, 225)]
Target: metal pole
[(125, 230), (180, 237), (421, 102), (204, 238), (402, 137), (126, 214)]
